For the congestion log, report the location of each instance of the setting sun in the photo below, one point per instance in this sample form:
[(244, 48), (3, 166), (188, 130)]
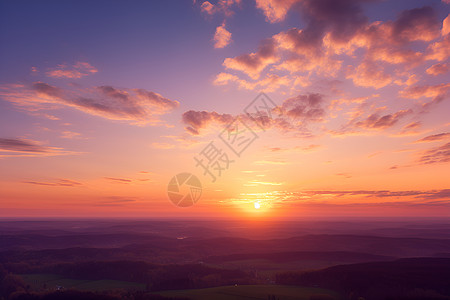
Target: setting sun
[(257, 205)]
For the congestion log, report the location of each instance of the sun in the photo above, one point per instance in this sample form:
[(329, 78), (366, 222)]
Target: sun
[(257, 206)]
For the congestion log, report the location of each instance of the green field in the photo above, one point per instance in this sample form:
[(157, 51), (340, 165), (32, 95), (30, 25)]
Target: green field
[(51, 281), (246, 292)]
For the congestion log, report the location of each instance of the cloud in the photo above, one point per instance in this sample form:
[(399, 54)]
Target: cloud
[(335, 28), (78, 70), (59, 183), (410, 128), (116, 201), (309, 148), (427, 91), (345, 175), (355, 197), (222, 6), (446, 25), (439, 50), (13, 147), (369, 74), (417, 24), (270, 162), (439, 154), (197, 120), (138, 106), (341, 18), (252, 64), (270, 83), (305, 107), (275, 10), (438, 69), (377, 121), (118, 180), (293, 115), (71, 135), (17, 145), (434, 137), (438, 92), (222, 37), (208, 7)]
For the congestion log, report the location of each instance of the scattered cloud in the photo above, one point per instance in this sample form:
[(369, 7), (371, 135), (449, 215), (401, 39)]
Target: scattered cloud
[(222, 6), (411, 128), (275, 10), (59, 182), (438, 69), (118, 180), (369, 74), (197, 120), (222, 37), (268, 84), (293, 115), (116, 201), (252, 64), (440, 154), (71, 135), (13, 147), (137, 106), (377, 121), (78, 70), (435, 137)]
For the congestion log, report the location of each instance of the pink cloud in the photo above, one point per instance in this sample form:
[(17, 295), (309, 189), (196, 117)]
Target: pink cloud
[(440, 154), (427, 91), (197, 120), (270, 83), (13, 147), (138, 106), (252, 64), (291, 117), (446, 25), (439, 50), (418, 24), (438, 69), (78, 70), (434, 137), (222, 37), (275, 10), (369, 74), (222, 6), (57, 183)]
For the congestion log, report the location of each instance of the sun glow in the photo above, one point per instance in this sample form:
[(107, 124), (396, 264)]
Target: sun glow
[(257, 205)]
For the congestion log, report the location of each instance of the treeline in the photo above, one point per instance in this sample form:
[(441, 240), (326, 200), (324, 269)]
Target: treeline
[(156, 277), (407, 279), (80, 295), (12, 287)]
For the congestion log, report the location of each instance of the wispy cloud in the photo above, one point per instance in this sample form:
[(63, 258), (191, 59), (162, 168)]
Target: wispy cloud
[(440, 154), (57, 183), (78, 70), (138, 106), (119, 180), (13, 147), (434, 137)]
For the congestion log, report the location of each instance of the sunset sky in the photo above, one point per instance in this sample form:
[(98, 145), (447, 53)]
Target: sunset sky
[(103, 102)]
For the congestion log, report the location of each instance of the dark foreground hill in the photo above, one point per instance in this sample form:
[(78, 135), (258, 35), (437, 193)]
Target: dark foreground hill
[(409, 278)]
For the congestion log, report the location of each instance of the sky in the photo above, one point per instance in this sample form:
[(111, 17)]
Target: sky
[(285, 109)]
